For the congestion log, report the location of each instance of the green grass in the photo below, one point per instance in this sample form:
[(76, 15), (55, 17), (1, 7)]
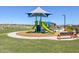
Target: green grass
[(12, 45)]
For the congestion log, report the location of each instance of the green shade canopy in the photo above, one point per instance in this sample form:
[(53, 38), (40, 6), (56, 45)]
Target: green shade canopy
[(38, 12)]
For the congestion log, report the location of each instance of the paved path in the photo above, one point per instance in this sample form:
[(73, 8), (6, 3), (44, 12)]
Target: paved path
[(13, 34)]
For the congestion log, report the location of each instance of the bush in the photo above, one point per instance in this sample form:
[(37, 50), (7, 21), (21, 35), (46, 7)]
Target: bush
[(69, 28)]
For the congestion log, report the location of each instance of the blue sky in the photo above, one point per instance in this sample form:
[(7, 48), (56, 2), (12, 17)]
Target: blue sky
[(16, 14)]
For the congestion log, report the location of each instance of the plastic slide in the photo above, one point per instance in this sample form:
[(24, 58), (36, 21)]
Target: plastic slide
[(44, 26), (34, 27)]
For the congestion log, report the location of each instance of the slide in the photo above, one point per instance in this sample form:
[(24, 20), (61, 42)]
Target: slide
[(44, 26), (34, 27)]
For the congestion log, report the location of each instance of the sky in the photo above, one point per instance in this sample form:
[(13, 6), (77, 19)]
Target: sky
[(16, 14)]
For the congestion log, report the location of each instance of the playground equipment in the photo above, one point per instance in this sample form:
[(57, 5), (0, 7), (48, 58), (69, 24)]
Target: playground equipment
[(44, 25), (40, 26)]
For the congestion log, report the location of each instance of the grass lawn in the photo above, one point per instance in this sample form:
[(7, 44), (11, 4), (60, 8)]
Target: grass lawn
[(8, 44)]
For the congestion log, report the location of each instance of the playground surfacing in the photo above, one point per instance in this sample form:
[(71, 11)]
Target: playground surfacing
[(26, 35), (35, 34)]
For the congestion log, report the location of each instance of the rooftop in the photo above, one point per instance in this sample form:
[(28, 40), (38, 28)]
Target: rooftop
[(38, 12)]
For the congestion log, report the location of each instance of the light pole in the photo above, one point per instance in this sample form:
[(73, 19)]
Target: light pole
[(64, 20)]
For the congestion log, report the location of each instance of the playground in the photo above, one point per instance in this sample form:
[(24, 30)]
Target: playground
[(40, 37), (42, 30)]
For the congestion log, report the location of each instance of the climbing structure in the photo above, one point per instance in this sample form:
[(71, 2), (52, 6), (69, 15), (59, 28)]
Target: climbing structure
[(40, 26)]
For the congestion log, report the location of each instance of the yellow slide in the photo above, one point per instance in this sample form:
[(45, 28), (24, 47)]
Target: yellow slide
[(46, 28)]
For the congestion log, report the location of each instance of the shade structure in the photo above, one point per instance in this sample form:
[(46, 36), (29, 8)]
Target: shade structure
[(38, 12)]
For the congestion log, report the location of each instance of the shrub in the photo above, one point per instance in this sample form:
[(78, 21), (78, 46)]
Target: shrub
[(69, 28)]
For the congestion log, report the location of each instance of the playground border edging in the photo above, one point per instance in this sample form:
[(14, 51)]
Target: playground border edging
[(14, 35)]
